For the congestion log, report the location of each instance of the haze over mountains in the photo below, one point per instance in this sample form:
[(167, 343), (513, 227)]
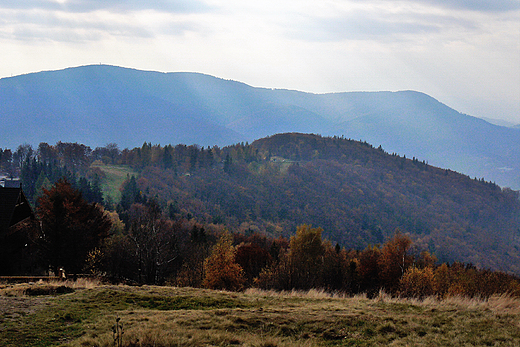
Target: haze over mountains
[(100, 104)]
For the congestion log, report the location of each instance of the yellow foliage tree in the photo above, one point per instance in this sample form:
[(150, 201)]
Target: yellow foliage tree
[(418, 283), (221, 271), (306, 252)]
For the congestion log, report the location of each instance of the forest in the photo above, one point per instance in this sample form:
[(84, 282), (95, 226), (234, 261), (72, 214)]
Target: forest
[(288, 211)]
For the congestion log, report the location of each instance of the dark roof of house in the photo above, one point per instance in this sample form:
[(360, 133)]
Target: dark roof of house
[(14, 207), (11, 183)]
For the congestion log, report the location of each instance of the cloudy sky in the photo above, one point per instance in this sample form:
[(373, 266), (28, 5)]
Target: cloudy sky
[(465, 53)]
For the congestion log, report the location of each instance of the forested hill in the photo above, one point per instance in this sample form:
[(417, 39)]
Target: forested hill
[(357, 193), (101, 104)]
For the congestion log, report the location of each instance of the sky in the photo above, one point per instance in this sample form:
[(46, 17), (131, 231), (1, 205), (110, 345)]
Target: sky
[(464, 53)]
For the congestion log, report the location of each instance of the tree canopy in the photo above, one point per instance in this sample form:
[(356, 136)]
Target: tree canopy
[(71, 227)]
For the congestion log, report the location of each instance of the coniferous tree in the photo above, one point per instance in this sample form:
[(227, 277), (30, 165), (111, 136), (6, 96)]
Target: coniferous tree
[(131, 194), (167, 160)]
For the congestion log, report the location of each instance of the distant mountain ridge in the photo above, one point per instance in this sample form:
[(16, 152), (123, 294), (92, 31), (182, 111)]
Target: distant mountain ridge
[(100, 104)]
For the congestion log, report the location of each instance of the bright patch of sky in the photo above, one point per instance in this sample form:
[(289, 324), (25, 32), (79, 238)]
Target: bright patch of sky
[(465, 53)]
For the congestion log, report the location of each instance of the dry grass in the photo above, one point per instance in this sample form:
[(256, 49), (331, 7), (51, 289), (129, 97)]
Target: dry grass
[(310, 294), (169, 316), (19, 289)]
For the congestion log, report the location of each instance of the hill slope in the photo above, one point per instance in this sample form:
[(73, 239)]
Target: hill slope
[(100, 104), (359, 194)]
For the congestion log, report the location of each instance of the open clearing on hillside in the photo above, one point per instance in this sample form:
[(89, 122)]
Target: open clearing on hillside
[(38, 315), (115, 175)]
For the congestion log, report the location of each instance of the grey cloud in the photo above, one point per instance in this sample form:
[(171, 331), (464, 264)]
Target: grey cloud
[(176, 6), (363, 28), (478, 5), (53, 34), (364, 25), (173, 6), (470, 5), (81, 27), (28, 26)]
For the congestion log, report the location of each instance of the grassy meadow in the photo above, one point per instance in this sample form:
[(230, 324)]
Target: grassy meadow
[(83, 313), (114, 176)]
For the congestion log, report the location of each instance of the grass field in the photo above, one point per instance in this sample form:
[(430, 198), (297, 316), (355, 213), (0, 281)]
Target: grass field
[(115, 175), (83, 313)]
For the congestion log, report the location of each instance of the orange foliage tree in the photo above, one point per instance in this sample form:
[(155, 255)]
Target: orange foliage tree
[(395, 260), (221, 271), (369, 270)]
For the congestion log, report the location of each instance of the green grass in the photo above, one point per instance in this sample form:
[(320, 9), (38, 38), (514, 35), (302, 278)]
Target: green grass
[(168, 316), (115, 176)]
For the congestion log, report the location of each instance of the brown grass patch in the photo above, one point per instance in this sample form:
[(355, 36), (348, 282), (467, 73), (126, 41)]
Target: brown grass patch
[(170, 316)]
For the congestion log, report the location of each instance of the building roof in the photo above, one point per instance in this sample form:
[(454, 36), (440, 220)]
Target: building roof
[(14, 208), (10, 183)]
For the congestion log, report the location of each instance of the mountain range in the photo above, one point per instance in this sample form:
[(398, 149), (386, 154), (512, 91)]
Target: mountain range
[(100, 104)]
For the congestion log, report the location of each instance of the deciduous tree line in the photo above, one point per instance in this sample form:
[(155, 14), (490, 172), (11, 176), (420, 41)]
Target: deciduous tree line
[(152, 248), (198, 191)]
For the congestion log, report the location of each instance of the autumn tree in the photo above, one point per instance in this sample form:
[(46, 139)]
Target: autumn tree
[(71, 227), (196, 249), (108, 154), (153, 241), (306, 257), (46, 153), (221, 271), (278, 275), (395, 260), (252, 258), (334, 276), (6, 161), (74, 156), (369, 270), (418, 283), (301, 266), (118, 261), (22, 154)]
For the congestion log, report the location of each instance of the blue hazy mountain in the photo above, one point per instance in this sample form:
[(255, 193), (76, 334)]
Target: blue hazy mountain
[(100, 104)]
